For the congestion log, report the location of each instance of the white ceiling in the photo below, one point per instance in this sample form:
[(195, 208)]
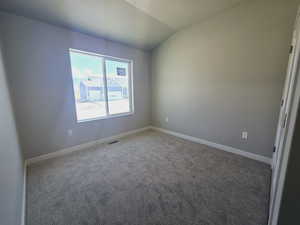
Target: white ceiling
[(181, 13), (140, 23)]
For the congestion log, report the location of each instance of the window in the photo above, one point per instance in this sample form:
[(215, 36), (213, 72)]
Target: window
[(102, 86)]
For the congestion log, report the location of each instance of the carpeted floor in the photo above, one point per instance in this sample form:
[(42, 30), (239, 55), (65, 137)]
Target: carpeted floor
[(148, 179)]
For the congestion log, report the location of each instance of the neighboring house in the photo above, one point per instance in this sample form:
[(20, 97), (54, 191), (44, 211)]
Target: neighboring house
[(93, 90)]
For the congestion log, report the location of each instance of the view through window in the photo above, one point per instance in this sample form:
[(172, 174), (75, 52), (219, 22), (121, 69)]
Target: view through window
[(102, 85)]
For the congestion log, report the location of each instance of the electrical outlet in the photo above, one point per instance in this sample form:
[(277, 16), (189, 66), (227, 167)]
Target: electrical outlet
[(244, 135), (167, 119), (70, 132)]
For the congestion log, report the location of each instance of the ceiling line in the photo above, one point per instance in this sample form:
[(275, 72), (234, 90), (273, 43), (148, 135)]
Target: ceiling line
[(148, 14)]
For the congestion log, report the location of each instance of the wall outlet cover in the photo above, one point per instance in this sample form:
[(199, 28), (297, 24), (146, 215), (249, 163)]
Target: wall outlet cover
[(245, 135)]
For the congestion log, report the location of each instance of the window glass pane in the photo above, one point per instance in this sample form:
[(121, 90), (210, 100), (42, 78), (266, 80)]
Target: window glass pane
[(117, 75), (88, 83)]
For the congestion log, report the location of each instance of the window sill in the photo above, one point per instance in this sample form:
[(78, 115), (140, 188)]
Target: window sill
[(106, 117)]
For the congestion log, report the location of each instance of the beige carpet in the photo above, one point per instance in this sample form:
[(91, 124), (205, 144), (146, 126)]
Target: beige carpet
[(148, 179)]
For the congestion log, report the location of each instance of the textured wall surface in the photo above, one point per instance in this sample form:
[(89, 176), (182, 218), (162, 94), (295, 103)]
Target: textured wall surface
[(38, 65), (11, 159), (223, 76)]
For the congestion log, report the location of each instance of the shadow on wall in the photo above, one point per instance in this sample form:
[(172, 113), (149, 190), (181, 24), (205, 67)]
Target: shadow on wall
[(11, 159)]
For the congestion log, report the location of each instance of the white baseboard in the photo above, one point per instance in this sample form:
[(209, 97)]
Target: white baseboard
[(23, 215), (217, 146), (82, 146), (180, 135)]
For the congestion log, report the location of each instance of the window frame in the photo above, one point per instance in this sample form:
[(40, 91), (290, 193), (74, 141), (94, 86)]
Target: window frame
[(130, 85)]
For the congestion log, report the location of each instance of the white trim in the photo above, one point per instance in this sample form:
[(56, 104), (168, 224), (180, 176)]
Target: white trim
[(130, 85), (100, 55), (23, 215), (289, 135), (106, 117), (284, 141), (82, 146), (217, 146), (180, 135)]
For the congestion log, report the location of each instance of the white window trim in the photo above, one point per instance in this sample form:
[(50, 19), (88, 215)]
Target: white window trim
[(130, 83)]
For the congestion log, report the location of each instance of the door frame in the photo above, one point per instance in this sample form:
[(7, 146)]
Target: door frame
[(292, 92)]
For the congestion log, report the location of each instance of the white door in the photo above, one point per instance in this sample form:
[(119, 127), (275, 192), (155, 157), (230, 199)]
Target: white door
[(285, 108)]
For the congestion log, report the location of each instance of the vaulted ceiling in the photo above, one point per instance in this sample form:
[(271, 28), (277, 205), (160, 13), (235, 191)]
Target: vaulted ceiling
[(139, 23)]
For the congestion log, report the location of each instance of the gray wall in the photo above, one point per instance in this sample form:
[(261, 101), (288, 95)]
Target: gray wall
[(217, 78), (40, 79), (289, 209), (11, 160)]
